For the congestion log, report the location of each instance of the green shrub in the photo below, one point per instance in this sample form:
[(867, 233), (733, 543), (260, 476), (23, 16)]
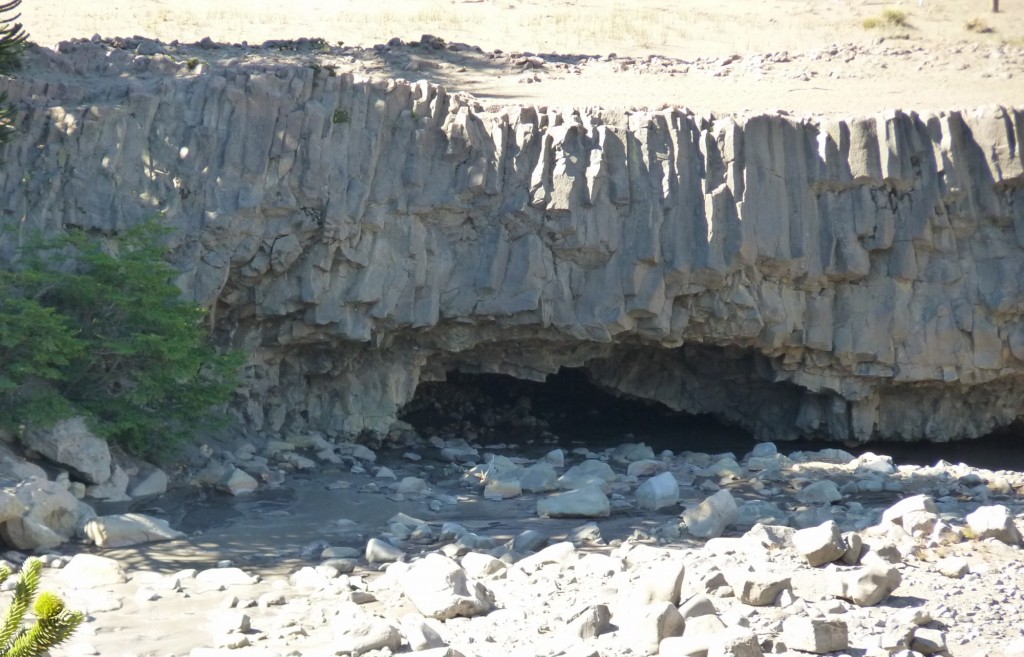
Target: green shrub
[(895, 17), (13, 37), (103, 332), (54, 622), (7, 116), (13, 40), (192, 63), (341, 116)]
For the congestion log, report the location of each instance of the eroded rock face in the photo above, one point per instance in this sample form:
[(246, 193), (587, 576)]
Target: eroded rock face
[(852, 279)]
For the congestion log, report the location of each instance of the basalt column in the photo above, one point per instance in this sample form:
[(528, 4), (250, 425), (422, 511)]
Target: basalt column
[(853, 279)]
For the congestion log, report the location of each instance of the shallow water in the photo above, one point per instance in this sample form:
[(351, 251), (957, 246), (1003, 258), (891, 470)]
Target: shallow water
[(274, 525)]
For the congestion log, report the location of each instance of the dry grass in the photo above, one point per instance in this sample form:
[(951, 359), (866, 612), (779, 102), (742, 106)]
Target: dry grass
[(439, 16), (693, 28), (895, 17), (688, 29), (624, 29), (978, 25), (890, 18)]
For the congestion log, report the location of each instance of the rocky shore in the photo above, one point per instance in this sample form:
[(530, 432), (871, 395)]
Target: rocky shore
[(440, 545)]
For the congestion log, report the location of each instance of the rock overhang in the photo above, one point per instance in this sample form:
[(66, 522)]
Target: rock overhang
[(851, 279)]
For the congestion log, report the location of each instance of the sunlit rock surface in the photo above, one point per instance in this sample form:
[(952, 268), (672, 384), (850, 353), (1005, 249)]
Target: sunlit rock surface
[(854, 279)]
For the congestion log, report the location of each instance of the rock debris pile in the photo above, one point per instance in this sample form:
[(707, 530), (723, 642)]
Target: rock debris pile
[(714, 555), (40, 513)]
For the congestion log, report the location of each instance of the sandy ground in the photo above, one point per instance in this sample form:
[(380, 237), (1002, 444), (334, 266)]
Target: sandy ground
[(812, 57)]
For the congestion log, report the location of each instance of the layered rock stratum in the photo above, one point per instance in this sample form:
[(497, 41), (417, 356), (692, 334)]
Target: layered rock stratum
[(854, 279)]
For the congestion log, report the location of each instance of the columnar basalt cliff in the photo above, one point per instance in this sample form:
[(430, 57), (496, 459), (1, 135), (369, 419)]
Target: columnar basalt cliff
[(856, 279)]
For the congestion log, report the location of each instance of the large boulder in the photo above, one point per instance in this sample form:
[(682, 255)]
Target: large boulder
[(236, 481), (218, 579), (648, 625), (539, 478), (815, 635), (50, 517), (758, 589), (11, 507), (658, 492), (149, 482), (995, 521), (587, 502), (129, 529), (439, 588), (16, 468), (114, 489), (378, 551), (71, 444), (820, 492), (88, 571), (359, 632), (710, 518), (820, 545), (865, 587), (913, 504), (661, 581), (763, 512), (589, 472), (735, 642)]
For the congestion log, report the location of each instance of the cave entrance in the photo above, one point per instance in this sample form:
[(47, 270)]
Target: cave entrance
[(569, 410), (566, 409)]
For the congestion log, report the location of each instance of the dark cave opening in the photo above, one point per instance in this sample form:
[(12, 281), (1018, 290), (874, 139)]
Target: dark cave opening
[(569, 410)]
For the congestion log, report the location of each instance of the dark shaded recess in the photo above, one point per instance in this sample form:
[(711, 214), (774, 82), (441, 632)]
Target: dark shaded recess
[(1003, 449), (569, 410), (567, 405)]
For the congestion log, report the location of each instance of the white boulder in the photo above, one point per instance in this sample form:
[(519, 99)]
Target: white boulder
[(150, 482), (648, 625), (661, 581), (50, 519), (589, 472), (237, 482), (71, 444), (866, 586), (359, 633), (658, 492), (378, 551), (710, 518), (439, 588), (539, 478), (87, 571), (586, 502), (220, 578), (815, 635), (995, 521), (820, 492), (129, 529), (820, 545)]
